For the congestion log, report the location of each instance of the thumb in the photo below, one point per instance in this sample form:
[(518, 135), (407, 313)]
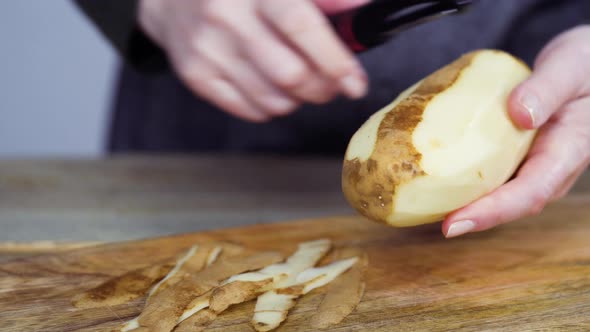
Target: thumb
[(336, 6), (560, 75)]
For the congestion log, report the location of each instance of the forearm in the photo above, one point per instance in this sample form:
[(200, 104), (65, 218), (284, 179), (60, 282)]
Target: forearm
[(117, 21)]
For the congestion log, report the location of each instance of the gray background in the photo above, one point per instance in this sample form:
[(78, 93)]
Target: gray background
[(56, 75)]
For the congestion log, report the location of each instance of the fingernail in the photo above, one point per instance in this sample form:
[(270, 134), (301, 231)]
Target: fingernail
[(531, 103), (460, 228), (353, 86)]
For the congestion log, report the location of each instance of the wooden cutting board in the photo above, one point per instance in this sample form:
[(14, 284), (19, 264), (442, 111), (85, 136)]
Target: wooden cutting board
[(530, 275)]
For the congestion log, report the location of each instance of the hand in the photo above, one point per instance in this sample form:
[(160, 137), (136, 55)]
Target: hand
[(256, 59), (556, 99)]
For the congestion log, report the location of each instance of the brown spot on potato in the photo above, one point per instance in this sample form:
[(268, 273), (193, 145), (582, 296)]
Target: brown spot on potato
[(371, 166), (480, 174), (370, 186), (293, 290)]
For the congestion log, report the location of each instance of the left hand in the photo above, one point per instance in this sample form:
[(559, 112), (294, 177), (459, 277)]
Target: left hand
[(555, 99)]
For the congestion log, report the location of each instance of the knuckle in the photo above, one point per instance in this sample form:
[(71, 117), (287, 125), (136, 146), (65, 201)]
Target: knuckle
[(297, 19), (538, 202), (277, 110), (272, 101), (195, 84), (294, 23), (185, 70), (582, 148), (197, 40), (292, 79), (318, 96), (582, 31), (316, 90), (560, 195), (321, 98), (536, 209), (250, 40), (576, 41), (190, 71), (341, 69), (215, 11)]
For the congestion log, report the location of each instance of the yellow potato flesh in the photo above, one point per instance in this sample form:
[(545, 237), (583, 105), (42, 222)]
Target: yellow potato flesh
[(467, 145)]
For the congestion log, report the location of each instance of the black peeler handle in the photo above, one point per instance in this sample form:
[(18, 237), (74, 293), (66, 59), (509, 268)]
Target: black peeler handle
[(375, 23)]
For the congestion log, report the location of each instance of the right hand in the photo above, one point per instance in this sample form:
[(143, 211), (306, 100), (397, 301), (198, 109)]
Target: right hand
[(256, 59)]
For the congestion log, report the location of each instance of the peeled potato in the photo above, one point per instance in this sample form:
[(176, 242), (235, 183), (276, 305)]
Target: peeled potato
[(443, 143)]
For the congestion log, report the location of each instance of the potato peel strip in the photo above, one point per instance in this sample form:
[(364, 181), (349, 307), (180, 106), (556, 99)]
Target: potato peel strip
[(211, 257), (272, 307), (246, 286)]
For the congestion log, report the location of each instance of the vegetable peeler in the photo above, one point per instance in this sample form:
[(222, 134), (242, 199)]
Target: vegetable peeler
[(375, 23)]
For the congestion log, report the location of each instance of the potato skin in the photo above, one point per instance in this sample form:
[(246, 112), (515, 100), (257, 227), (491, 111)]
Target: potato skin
[(371, 185)]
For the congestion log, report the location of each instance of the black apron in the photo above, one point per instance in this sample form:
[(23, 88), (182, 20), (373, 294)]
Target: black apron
[(156, 113)]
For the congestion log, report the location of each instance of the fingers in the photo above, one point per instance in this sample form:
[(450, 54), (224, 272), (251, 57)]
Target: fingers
[(560, 151), (569, 183), (212, 86), (282, 66), (262, 58), (336, 6), (316, 90), (302, 25), (560, 75), (256, 89), (192, 61), (216, 48)]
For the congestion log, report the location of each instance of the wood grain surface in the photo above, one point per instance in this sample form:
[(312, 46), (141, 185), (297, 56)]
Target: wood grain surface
[(532, 275), (130, 197)]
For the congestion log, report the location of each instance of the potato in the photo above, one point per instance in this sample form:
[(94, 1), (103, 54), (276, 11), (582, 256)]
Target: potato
[(443, 143)]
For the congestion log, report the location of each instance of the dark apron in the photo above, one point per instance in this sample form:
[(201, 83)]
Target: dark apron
[(157, 113)]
